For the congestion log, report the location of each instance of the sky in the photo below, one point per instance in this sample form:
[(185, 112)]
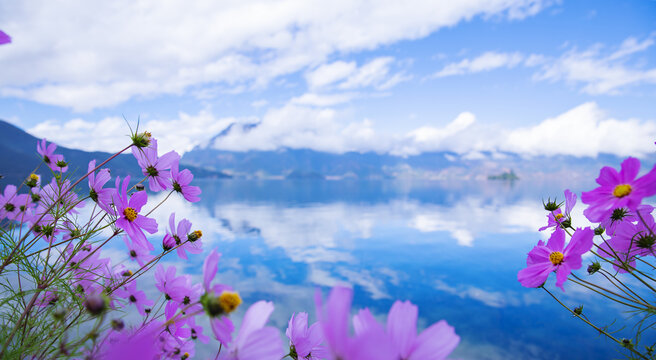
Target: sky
[(535, 77)]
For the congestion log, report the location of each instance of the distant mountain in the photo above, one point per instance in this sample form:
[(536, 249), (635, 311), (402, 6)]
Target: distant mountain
[(288, 163), (18, 158)]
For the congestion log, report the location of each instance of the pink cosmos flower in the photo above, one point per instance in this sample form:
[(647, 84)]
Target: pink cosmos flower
[(47, 151), (4, 38), (129, 218), (156, 168), (254, 341), (179, 236), (557, 217), (434, 343), (135, 344), (305, 342), (618, 190), (371, 343), (11, 202), (136, 297), (60, 196), (181, 181), (222, 326), (171, 286), (103, 197), (629, 241), (138, 252), (622, 215), (555, 256)]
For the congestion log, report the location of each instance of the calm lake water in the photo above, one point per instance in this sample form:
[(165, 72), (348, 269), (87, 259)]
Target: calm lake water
[(453, 249)]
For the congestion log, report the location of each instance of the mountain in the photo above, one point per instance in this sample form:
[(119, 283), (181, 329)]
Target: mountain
[(288, 163), (18, 158)]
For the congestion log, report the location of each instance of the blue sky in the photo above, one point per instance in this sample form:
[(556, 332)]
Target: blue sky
[(528, 76)]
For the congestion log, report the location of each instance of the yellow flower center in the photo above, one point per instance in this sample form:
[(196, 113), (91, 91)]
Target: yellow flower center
[(556, 257), (198, 234), (559, 216), (34, 177), (130, 214), (622, 190), (229, 301)]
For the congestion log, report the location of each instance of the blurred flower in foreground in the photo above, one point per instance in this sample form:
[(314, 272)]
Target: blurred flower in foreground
[(4, 38)]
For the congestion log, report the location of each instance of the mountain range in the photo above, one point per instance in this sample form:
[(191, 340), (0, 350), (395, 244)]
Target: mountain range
[(18, 158)]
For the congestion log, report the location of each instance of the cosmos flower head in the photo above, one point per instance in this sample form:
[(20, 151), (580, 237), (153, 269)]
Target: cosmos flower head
[(556, 257), (618, 190)]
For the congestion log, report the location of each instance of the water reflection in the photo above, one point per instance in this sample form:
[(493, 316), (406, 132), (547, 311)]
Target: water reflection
[(452, 249)]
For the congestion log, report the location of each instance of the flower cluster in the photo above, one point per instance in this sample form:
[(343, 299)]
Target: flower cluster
[(625, 233), (69, 285)]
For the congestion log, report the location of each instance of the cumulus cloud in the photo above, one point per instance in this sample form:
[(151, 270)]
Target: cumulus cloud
[(86, 55), (111, 133), (485, 62), (583, 131), (307, 122)]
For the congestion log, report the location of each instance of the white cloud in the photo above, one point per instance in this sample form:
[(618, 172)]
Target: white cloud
[(85, 55), (583, 131), (111, 133), (485, 62), (330, 73), (598, 73)]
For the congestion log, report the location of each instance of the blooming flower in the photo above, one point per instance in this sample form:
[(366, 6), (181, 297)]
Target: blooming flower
[(103, 197), (10, 203), (434, 343), (629, 241), (556, 217), (304, 342), (179, 236), (156, 168), (622, 215), (171, 286), (371, 343), (136, 297), (618, 190), (138, 252), (254, 341), (47, 151), (129, 218), (555, 256), (181, 180)]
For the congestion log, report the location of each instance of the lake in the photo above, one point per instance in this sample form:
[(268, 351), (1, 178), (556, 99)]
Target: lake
[(453, 249)]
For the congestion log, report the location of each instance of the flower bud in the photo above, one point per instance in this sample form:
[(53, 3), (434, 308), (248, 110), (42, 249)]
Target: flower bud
[(139, 187), (599, 230), (578, 310), (95, 304), (594, 267), (117, 324), (168, 242), (550, 205), (195, 235)]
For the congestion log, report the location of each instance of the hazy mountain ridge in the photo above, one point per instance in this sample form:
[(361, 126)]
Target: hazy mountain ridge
[(18, 158), (299, 163)]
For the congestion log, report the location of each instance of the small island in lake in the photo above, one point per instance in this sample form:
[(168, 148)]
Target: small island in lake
[(508, 175)]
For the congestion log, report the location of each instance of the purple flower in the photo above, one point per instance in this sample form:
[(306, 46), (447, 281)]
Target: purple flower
[(197, 331), (136, 297), (556, 217), (171, 286), (103, 197), (629, 241), (59, 195), (4, 38), (179, 237), (306, 342), (138, 252), (434, 343), (11, 203), (622, 215), (255, 341), (370, 344), (181, 181), (47, 151), (156, 168), (138, 344), (129, 218), (555, 256), (618, 190)]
